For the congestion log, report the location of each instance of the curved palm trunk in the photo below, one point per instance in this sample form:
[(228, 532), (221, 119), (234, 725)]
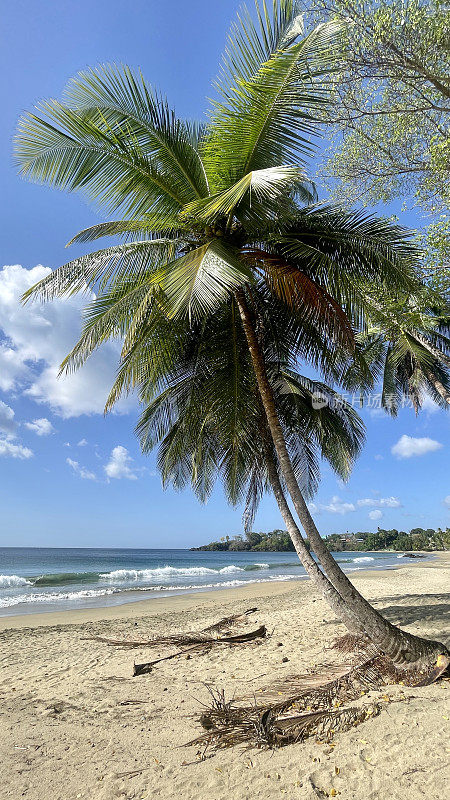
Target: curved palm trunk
[(401, 647), (312, 569), (440, 388), (434, 351)]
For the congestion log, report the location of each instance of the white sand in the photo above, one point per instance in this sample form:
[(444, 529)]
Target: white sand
[(68, 730)]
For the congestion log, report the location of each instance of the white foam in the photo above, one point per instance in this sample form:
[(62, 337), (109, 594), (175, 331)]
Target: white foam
[(9, 581), (160, 573), (231, 568), (363, 558), (7, 602), (262, 566), (86, 594)]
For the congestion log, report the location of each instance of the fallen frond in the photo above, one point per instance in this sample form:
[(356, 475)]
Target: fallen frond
[(227, 724), (335, 685), (273, 718), (181, 639), (199, 644)]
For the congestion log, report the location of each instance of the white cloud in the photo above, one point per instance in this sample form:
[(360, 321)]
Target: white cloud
[(375, 514), (81, 471), (408, 446), (378, 457), (41, 427), (381, 502), (82, 443), (338, 506), (8, 424), (38, 337), (447, 501), (118, 465), (12, 367), (8, 449)]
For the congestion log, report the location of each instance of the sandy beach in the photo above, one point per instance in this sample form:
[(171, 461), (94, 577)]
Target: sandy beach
[(76, 724)]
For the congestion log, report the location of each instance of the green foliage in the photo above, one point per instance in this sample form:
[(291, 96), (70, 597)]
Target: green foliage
[(276, 541), (416, 539), (389, 132)]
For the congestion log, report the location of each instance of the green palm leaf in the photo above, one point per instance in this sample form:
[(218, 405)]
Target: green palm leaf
[(74, 151), (199, 281), (268, 119), (264, 184), (251, 41), (117, 263), (124, 101), (150, 226)]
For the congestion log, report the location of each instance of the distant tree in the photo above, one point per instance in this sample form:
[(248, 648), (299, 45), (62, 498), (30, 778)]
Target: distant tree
[(404, 542), (389, 135), (253, 538), (238, 543)]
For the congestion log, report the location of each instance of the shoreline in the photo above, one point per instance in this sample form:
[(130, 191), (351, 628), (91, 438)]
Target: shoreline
[(189, 600)]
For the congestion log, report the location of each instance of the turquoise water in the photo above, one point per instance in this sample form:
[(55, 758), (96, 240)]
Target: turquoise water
[(51, 579)]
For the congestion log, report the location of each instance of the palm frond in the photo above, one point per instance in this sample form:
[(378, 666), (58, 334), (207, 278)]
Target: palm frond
[(344, 250), (107, 317), (75, 151), (118, 263), (251, 42), (267, 119), (197, 282), (113, 95), (151, 226), (263, 184)]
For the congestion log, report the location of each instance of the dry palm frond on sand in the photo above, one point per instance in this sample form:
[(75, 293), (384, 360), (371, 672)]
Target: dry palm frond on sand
[(273, 718), (191, 641), (182, 639), (201, 644), (227, 725)]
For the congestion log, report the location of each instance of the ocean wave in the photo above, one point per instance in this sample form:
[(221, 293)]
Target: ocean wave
[(363, 558), (11, 581), (56, 597), (56, 579), (87, 594), (64, 578), (159, 573)]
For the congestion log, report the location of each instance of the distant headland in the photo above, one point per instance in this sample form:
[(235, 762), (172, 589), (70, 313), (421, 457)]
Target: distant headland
[(279, 541)]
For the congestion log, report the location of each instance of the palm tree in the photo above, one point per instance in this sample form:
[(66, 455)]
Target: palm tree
[(407, 343), (223, 211)]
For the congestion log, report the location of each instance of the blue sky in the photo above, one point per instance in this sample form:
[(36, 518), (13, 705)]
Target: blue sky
[(68, 475)]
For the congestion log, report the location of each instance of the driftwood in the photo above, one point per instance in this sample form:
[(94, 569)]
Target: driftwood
[(190, 637), (259, 633)]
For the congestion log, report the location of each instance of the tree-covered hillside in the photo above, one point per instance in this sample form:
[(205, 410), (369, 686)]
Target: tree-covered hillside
[(277, 540)]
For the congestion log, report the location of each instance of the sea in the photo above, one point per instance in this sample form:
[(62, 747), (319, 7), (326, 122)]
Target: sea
[(41, 579)]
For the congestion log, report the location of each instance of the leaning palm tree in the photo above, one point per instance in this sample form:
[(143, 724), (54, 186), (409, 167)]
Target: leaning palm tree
[(217, 214)]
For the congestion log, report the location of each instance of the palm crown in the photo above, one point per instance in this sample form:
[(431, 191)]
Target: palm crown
[(208, 208)]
